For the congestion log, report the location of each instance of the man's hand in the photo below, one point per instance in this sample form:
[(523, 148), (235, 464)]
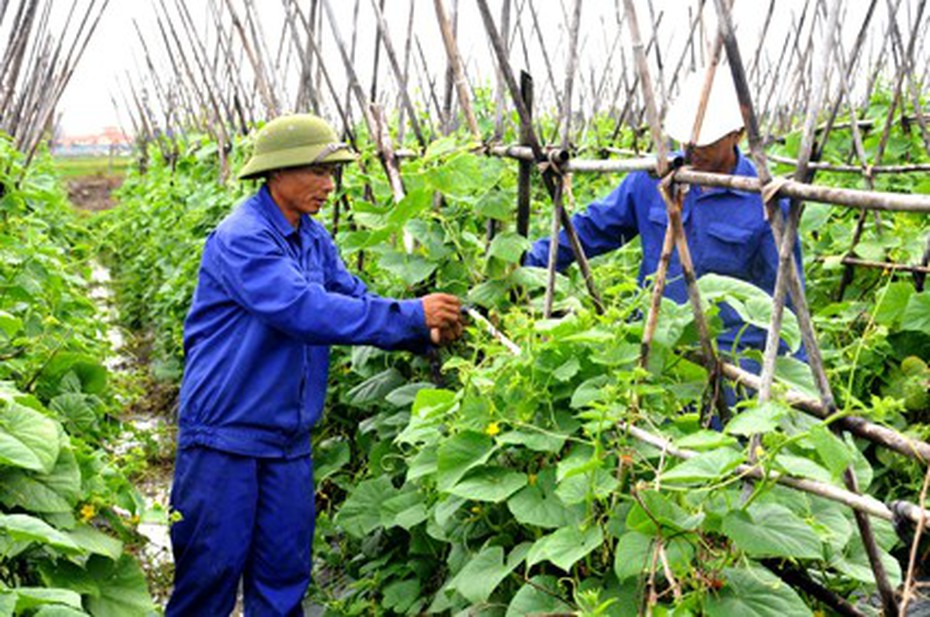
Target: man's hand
[(443, 314)]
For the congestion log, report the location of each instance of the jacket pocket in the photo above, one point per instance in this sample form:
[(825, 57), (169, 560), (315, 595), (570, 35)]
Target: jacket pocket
[(728, 250)]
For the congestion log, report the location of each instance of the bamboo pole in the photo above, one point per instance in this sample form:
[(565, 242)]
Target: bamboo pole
[(533, 140), (457, 71), (385, 38)]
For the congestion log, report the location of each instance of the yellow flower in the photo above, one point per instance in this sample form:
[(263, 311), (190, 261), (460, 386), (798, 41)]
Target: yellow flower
[(532, 479), (87, 512), (134, 519), (493, 429), (476, 509), (760, 451)]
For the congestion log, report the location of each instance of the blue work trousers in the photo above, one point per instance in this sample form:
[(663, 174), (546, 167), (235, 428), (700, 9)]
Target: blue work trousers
[(243, 518)]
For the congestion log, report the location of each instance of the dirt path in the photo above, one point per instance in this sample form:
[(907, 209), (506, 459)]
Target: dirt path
[(93, 193)]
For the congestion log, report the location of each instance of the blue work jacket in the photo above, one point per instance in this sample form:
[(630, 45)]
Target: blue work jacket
[(270, 300), (726, 230)]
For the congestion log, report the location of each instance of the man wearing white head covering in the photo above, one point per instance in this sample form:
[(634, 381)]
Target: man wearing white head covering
[(726, 229)]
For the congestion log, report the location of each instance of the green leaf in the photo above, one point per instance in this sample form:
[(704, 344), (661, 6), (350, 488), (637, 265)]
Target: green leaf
[(801, 467), (540, 596), (375, 388), (408, 267), (565, 546), (567, 370), (916, 315), (509, 247), (424, 463), (536, 440), (399, 596), (28, 439), (706, 466), (329, 457), (430, 402), (22, 527), (94, 541), (831, 451), (404, 510), (758, 419), (360, 513), (705, 440), (654, 507), (57, 491), (494, 484), (796, 374), (537, 505), (893, 303), (478, 579), (634, 552), (589, 392), (772, 530), (754, 592), (112, 588), (460, 453), (407, 393), (10, 324), (32, 597), (753, 305)]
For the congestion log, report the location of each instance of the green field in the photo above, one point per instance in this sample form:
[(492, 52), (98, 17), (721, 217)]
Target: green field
[(69, 167)]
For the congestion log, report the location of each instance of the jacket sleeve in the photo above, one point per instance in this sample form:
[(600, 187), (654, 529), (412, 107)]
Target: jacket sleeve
[(258, 276), (340, 280), (605, 225)]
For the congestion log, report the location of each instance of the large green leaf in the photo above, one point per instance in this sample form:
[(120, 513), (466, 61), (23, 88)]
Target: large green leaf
[(375, 388), (410, 268), (754, 592), (634, 554), (478, 579), (753, 305), (28, 439), (916, 315), (111, 588), (833, 453), (22, 527), (539, 596), (32, 597), (494, 484), (704, 467), (93, 540), (537, 504), (565, 546), (361, 511), (758, 419), (508, 246), (10, 324), (57, 491), (772, 530), (460, 453)]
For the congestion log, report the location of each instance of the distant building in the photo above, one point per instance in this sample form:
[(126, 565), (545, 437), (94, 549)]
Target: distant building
[(109, 141)]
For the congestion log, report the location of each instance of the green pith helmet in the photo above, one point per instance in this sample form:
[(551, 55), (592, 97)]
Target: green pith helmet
[(293, 141)]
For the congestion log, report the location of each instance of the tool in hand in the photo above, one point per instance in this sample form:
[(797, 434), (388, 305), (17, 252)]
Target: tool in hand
[(489, 327)]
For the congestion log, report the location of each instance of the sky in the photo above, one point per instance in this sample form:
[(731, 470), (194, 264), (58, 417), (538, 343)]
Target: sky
[(114, 55)]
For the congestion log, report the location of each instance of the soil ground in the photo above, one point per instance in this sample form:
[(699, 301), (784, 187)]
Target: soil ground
[(93, 193)]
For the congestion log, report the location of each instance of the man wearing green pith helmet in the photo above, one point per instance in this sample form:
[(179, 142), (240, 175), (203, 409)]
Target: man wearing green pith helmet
[(272, 296)]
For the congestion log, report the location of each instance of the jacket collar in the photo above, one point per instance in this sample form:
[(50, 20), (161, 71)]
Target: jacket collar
[(272, 213)]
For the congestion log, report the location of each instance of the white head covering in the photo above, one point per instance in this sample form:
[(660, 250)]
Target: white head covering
[(721, 118)]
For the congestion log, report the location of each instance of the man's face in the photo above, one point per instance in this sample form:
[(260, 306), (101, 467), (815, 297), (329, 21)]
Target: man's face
[(301, 190), (718, 157)]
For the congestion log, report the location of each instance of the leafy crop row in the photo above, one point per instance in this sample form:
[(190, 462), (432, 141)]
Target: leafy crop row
[(66, 508), (504, 485)]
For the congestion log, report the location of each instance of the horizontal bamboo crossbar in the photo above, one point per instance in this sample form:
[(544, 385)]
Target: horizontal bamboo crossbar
[(862, 503), (856, 425), (878, 169), (851, 198)]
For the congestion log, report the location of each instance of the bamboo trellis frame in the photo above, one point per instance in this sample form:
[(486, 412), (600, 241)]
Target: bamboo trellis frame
[(225, 77)]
